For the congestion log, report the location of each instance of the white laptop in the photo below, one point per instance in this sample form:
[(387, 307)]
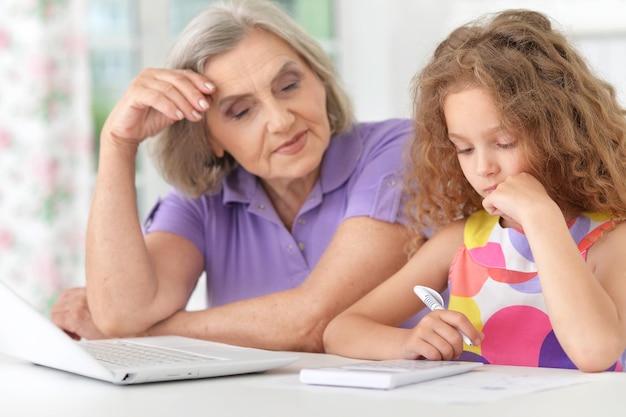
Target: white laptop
[(27, 334)]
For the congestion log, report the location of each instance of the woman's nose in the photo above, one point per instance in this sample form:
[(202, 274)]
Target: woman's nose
[(280, 118)]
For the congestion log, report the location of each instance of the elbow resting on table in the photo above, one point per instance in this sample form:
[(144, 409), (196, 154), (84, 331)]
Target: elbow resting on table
[(303, 330), (592, 366), (308, 335), (599, 359), (330, 337), (115, 325)]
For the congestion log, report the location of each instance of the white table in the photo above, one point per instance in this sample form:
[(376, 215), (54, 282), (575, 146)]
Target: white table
[(29, 390)]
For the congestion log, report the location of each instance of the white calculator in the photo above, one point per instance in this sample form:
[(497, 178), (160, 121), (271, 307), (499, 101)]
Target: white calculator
[(387, 374)]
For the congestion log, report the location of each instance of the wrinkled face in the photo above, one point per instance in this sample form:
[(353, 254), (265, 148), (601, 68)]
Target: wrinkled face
[(268, 110), (486, 152)]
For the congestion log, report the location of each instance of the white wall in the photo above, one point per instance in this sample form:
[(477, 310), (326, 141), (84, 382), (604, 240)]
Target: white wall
[(383, 43)]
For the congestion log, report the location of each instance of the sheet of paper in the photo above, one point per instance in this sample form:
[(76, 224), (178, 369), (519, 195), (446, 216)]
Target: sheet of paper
[(486, 384)]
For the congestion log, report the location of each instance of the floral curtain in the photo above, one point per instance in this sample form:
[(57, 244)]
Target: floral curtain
[(46, 167)]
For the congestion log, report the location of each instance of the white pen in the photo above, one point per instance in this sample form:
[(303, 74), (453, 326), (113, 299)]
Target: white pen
[(434, 301)]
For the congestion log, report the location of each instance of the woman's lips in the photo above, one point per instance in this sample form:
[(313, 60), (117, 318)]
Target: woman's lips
[(295, 145)]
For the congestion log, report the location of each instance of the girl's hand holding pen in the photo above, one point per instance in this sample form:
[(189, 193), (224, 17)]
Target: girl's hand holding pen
[(433, 300)]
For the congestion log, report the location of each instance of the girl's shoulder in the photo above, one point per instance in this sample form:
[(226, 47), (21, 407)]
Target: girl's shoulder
[(590, 227), (605, 252), (611, 230)]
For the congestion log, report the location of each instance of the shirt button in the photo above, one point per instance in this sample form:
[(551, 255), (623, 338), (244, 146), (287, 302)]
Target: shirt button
[(301, 221), (289, 248), (301, 246), (261, 207), (391, 183)]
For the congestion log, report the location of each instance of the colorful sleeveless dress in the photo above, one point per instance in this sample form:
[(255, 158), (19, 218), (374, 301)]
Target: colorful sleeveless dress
[(493, 281)]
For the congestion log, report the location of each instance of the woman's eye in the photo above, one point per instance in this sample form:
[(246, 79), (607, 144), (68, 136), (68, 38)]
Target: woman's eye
[(288, 82), (238, 115), (290, 86), (237, 112)]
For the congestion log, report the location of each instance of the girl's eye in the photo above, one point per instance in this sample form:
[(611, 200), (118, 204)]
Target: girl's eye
[(464, 150), (509, 145)]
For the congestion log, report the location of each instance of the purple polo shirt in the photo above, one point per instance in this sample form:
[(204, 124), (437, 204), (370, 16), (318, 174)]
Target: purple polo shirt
[(248, 252)]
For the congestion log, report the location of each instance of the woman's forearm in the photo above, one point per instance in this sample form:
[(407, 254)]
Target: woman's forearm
[(363, 253), (120, 280), (279, 321)]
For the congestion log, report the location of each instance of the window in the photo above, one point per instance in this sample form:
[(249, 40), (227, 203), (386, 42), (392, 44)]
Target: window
[(114, 53)]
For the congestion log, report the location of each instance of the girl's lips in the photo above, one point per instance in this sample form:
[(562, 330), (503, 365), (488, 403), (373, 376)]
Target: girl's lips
[(295, 145), (490, 189)]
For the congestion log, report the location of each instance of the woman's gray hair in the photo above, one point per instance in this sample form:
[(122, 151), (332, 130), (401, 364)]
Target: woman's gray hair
[(181, 152)]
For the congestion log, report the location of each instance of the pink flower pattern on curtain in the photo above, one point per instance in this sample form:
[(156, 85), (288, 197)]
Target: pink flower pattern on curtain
[(46, 146)]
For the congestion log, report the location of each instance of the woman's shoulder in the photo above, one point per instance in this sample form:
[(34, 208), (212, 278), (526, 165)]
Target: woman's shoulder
[(369, 140), (376, 137), (380, 129), (203, 203)]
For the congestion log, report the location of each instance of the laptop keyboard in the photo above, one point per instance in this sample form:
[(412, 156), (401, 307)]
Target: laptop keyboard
[(122, 353)]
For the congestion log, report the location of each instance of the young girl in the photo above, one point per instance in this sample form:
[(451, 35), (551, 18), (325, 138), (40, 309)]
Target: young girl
[(520, 153)]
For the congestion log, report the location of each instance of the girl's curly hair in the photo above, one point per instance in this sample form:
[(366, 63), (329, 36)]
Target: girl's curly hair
[(570, 126)]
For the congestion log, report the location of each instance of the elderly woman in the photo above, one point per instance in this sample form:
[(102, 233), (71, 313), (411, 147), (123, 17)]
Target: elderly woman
[(290, 207)]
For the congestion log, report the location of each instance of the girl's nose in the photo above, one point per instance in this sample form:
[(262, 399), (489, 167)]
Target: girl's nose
[(486, 164)]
